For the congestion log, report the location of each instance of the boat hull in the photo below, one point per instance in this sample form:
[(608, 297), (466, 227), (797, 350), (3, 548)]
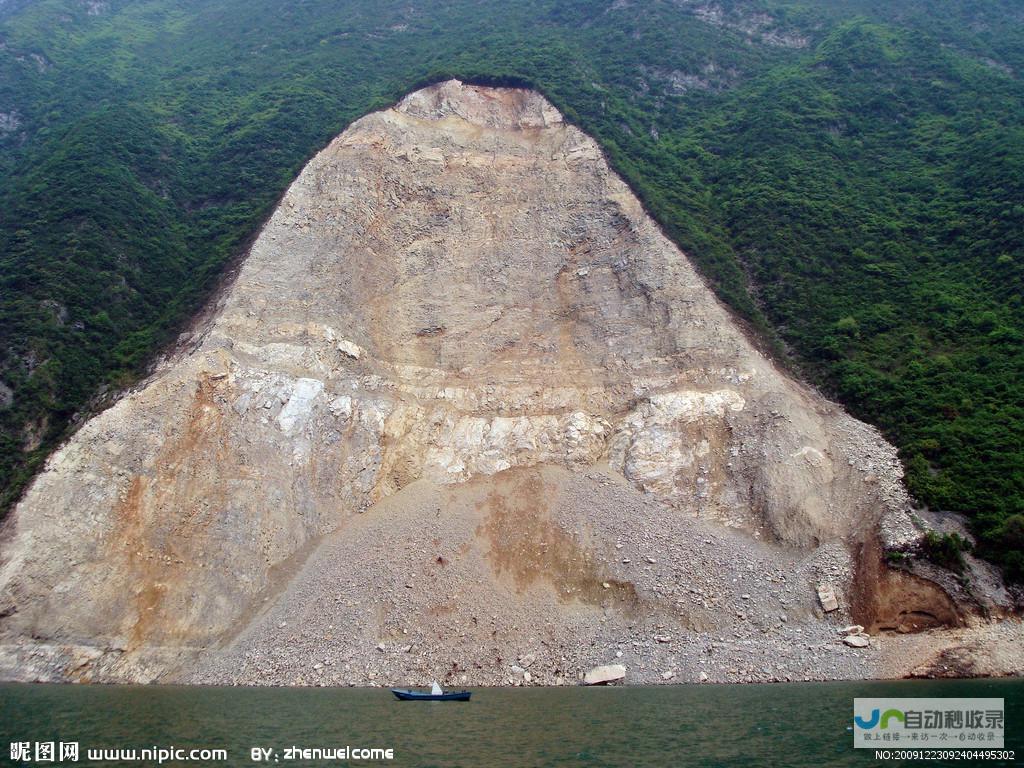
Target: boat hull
[(404, 695)]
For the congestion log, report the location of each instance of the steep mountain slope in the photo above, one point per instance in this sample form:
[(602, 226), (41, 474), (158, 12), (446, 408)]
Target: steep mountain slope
[(455, 290), (845, 174)]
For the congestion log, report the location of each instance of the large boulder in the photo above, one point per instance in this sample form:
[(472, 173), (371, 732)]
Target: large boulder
[(603, 675)]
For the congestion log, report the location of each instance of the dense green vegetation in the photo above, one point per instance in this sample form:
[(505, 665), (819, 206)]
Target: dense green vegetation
[(849, 175), (946, 549)]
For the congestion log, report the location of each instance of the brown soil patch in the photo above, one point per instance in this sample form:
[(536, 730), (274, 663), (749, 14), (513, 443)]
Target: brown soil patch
[(891, 600), (528, 546)]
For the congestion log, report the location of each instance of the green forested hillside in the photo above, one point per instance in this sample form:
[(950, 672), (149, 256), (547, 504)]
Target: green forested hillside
[(849, 175)]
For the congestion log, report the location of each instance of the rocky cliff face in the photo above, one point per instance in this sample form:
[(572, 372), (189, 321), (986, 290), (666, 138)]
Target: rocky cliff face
[(456, 316)]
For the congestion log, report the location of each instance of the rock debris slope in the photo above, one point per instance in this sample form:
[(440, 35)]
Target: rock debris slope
[(461, 323)]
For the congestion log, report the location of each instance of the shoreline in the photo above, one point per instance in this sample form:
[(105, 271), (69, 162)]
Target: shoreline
[(472, 687), (983, 651)]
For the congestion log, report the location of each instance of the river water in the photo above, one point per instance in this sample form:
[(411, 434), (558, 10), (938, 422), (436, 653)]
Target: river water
[(799, 724)]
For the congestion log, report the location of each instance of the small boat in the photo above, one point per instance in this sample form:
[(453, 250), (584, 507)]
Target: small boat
[(436, 694)]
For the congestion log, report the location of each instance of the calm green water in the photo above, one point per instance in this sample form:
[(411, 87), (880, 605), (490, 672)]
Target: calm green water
[(744, 725)]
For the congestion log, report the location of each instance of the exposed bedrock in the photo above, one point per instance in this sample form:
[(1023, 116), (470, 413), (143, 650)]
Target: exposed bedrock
[(455, 288)]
